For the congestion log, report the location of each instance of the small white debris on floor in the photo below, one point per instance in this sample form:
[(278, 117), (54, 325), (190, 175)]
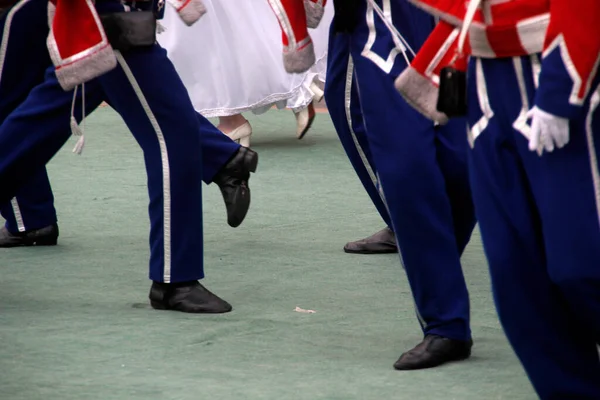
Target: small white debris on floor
[(302, 310)]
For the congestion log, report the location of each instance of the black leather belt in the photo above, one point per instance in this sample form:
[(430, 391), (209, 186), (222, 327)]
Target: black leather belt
[(126, 30)]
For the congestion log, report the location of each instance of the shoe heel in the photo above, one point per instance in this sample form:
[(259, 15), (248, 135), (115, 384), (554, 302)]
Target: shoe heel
[(245, 141), (157, 305), (252, 162)]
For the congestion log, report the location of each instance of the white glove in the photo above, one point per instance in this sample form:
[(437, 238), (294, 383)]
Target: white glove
[(547, 131)]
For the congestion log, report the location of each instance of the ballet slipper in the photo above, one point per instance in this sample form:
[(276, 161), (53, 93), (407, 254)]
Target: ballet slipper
[(304, 120), (241, 134), (318, 93)]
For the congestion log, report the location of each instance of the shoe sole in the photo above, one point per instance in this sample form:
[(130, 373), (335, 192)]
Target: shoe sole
[(459, 356), (370, 251), (417, 368), (251, 163), (236, 219), (159, 306), (305, 131), (29, 243)]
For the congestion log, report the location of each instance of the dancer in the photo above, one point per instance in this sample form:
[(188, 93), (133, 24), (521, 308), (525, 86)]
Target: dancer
[(412, 170), (535, 184), (30, 216), (236, 44), (153, 103)]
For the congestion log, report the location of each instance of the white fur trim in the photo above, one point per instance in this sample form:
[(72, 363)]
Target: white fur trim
[(299, 60), (421, 94), (314, 13), (71, 75), (189, 11)]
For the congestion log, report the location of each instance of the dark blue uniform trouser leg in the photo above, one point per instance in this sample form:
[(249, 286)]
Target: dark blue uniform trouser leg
[(155, 106), (344, 108), (423, 174), (407, 150), (217, 149), (44, 115), (33, 205), (25, 26), (539, 223)]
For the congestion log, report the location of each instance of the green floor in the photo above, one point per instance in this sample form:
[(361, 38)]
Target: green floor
[(75, 324)]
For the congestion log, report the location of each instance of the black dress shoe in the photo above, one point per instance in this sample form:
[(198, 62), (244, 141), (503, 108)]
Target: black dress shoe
[(46, 236), (233, 182), (434, 350), (382, 242), (190, 297)]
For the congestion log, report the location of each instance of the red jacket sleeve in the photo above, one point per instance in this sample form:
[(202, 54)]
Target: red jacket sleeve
[(419, 84), (571, 57)]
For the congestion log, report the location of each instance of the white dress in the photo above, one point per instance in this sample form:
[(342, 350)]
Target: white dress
[(231, 59)]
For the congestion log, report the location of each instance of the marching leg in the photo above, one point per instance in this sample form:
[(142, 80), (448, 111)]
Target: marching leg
[(217, 149), (532, 311), (344, 107), (568, 192), (155, 106), (452, 146), (44, 115), (407, 157), (415, 191), (229, 165), (30, 216)]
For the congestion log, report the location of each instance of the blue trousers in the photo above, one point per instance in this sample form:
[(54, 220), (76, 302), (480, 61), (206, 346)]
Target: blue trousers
[(156, 108), (33, 205), (27, 22), (421, 169), (539, 220)]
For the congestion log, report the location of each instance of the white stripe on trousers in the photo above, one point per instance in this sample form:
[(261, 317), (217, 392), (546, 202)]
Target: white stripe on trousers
[(347, 103), (18, 215), (165, 166), (374, 177), (589, 133)]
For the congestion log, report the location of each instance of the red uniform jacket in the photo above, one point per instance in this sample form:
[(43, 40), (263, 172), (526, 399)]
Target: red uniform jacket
[(78, 45), (567, 34)]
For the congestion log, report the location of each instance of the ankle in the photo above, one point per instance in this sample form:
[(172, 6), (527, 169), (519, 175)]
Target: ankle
[(229, 124)]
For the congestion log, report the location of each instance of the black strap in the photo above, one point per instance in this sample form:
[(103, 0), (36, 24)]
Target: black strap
[(346, 15), (126, 30)]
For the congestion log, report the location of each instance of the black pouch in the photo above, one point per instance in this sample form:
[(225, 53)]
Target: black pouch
[(126, 30), (452, 98)]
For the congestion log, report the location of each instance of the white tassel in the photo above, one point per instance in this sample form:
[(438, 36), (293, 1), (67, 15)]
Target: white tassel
[(78, 149), (75, 129), (160, 28)]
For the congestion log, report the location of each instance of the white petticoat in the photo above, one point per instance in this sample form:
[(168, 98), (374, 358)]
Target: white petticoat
[(231, 59)]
